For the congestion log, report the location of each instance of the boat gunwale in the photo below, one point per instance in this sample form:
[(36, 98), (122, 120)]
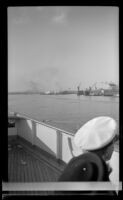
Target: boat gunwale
[(18, 115), (23, 116)]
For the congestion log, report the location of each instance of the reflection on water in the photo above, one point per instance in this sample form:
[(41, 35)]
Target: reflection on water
[(68, 112)]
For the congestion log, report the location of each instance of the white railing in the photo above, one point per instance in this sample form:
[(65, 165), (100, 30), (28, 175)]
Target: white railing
[(55, 141)]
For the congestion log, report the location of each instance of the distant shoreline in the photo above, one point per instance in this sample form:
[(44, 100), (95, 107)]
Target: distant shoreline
[(39, 93), (22, 93), (42, 93)]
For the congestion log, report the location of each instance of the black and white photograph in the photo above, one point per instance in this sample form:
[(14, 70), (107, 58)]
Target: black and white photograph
[(63, 100)]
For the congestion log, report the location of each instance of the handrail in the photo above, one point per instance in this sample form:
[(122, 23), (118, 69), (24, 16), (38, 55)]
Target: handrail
[(47, 125), (42, 123)]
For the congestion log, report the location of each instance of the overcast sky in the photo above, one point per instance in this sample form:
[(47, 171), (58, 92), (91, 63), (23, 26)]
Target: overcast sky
[(52, 48)]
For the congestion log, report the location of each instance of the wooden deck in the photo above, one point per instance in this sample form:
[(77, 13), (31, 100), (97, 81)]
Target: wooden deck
[(31, 164)]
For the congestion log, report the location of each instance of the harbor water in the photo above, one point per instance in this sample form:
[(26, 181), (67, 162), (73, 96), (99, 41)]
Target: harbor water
[(67, 112)]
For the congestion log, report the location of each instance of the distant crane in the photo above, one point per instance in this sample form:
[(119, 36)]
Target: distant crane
[(78, 87), (79, 92), (94, 85)]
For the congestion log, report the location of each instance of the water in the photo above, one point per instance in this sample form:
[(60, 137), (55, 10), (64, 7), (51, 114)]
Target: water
[(68, 112)]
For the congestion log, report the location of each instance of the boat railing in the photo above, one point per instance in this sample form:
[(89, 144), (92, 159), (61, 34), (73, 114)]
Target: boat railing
[(55, 141)]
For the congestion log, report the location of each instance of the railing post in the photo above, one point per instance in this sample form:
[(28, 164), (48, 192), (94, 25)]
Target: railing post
[(33, 132), (59, 145)]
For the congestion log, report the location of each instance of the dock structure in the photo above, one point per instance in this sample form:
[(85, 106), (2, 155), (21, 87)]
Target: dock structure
[(100, 89)]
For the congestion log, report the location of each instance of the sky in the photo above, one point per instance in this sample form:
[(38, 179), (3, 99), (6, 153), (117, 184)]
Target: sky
[(58, 48)]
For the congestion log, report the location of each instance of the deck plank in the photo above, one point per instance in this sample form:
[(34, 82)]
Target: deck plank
[(35, 170), (42, 155)]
